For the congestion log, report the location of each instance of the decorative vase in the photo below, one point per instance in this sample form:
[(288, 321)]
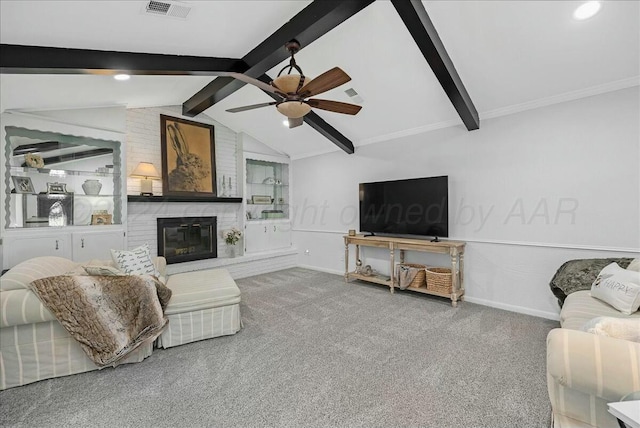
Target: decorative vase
[(56, 215), (231, 250), (91, 187)]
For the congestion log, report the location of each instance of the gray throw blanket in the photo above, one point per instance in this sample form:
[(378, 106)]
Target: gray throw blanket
[(405, 275), (576, 275), (109, 316)]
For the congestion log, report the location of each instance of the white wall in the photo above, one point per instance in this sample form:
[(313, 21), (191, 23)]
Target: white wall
[(143, 145), (142, 130), (250, 144), (107, 118), (527, 192)]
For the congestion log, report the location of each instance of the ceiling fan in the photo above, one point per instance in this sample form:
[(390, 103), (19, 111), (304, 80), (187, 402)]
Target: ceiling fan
[(295, 90)]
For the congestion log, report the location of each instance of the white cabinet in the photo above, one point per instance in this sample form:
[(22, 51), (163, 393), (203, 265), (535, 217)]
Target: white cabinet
[(265, 236), (78, 246), (279, 235), (266, 187), (255, 238), (96, 245), (266, 202), (19, 249), (59, 203)]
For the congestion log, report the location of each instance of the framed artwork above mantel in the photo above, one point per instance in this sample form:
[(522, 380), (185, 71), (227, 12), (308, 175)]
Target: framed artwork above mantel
[(188, 157)]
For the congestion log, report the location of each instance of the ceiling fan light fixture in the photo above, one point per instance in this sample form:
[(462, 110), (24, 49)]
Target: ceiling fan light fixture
[(293, 109), (292, 90), (289, 83)]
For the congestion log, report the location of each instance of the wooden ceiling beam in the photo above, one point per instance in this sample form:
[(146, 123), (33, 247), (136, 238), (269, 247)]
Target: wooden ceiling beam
[(311, 23), (20, 59), (417, 21)]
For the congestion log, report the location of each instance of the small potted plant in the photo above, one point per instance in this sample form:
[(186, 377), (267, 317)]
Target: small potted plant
[(231, 237)]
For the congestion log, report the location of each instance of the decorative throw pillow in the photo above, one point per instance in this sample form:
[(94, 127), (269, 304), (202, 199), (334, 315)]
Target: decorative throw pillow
[(618, 287), (634, 265), (135, 262), (620, 328), (102, 270)]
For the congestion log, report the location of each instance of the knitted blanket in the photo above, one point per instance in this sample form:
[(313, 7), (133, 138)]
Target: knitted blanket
[(109, 316)]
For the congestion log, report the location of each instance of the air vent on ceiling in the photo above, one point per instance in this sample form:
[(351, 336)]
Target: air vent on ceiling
[(171, 9), (355, 97)]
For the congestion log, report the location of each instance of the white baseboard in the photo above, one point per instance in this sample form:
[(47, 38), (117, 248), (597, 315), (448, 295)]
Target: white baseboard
[(320, 269), (511, 308)]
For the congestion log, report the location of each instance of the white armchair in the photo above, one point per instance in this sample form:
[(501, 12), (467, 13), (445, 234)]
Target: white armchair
[(585, 372)]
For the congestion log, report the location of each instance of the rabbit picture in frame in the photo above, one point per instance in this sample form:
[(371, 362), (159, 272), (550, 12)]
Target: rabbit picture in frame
[(188, 157)]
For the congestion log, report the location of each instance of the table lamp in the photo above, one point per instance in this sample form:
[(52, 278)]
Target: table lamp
[(147, 172)]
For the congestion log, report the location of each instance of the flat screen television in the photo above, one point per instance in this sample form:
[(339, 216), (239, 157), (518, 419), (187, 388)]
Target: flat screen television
[(418, 206)]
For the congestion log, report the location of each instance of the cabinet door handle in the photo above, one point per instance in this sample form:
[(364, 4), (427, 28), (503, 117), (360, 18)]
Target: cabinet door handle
[(56, 244), (81, 242), (265, 229), (274, 228)]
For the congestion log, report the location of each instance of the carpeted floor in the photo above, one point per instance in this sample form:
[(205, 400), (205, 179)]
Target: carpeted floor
[(317, 352)]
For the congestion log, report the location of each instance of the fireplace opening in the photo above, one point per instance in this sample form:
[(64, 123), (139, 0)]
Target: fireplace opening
[(187, 239)]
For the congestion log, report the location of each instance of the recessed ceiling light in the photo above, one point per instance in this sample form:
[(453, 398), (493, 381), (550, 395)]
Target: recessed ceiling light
[(286, 122), (122, 77), (586, 10)]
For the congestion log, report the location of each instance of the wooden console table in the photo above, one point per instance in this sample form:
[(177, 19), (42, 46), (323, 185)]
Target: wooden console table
[(455, 250)]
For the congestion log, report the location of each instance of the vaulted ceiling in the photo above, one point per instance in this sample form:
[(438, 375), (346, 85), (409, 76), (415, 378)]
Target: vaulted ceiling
[(511, 55)]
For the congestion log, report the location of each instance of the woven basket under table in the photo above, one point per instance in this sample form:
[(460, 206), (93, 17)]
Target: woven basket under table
[(419, 280), (439, 279)]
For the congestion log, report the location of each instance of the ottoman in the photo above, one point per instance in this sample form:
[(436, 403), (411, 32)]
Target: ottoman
[(204, 304)]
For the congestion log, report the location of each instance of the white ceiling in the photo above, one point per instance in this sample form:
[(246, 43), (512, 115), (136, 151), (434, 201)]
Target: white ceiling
[(510, 55)]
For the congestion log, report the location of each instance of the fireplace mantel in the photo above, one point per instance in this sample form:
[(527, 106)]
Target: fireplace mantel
[(208, 199)]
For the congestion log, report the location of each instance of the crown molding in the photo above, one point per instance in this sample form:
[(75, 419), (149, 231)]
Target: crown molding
[(313, 154), (408, 132), (503, 111), (562, 98)]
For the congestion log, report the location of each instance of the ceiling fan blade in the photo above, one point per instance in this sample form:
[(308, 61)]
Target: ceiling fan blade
[(335, 106), (255, 82), (326, 81), (251, 107), (296, 121)]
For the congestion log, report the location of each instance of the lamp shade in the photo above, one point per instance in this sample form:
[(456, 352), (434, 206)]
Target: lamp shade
[(146, 170)]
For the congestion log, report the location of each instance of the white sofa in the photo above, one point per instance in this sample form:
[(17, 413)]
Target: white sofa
[(34, 346), (586, 371)]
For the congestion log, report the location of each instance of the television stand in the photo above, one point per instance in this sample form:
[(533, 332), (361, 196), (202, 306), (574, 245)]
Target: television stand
[(455, 250), (435, 239)]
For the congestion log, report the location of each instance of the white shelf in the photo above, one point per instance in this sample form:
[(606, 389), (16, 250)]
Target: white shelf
[(268, 205), (60, 172), (266, 184)]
